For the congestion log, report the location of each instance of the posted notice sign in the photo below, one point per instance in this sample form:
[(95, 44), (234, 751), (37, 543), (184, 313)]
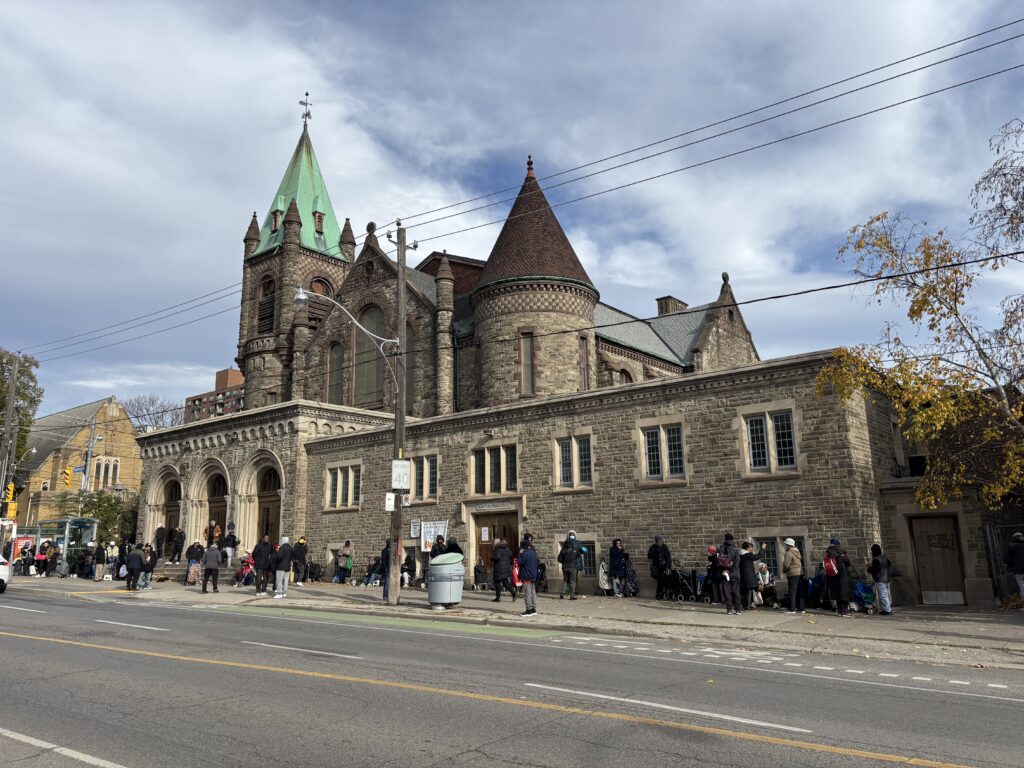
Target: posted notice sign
[(401, 474), (429, 531)]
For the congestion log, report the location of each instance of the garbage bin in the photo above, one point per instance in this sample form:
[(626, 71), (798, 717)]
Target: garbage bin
[(444, 580)]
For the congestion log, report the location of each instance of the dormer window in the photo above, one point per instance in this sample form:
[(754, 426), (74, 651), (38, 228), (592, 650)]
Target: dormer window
[(275, 221), (318, 222)]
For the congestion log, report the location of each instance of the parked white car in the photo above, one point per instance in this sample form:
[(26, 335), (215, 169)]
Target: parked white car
[(5, 573)]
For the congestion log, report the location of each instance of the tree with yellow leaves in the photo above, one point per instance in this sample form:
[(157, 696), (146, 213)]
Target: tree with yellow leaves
[(957, 388)]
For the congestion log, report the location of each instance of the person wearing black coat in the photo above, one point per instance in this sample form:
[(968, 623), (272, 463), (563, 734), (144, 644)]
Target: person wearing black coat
[(501, 562), (1015, 562), (840, 586), (177, 545), (133, 563), (617, 558), (453, 546), (99, 562), (261, 563), (729, 562), (438, 548), (194, 553), (661, 562), (299, 554), (158, 537), (385, 566), (748, 573), (282, 568)]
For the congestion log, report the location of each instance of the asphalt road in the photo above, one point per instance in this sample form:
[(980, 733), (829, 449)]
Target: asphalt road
[(132, 683)]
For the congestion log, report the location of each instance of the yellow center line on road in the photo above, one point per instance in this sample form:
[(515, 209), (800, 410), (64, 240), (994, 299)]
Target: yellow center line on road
[(811, 746)]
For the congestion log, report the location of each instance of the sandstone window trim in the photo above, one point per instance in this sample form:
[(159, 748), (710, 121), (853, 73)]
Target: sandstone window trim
[(769, 440), (425, 478), (343, 486), (572, 457), (774, 538), (662, 455), (493, 469)]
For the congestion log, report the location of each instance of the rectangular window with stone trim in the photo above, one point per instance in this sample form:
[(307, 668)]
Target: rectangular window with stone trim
[(527, 363), (424, 478), (573, 462), (343, 487), (770, 442), (495, 470), (662, 451)]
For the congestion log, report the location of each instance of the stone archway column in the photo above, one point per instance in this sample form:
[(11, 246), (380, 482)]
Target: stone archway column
[(154, 519), (245, 521), (198, 519)]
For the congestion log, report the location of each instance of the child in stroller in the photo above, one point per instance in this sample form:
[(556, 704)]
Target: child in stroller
[(864, 596), (630, 588), (246, 574), (542, 578)]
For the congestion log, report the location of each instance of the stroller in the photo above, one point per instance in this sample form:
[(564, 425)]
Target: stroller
[(542, 577), (677, 584), (193, 575), (630, 588), (246, 574), (314, 572), (864, 597)]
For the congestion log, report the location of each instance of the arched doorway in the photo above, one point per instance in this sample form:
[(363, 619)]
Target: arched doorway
[(217, 499), (172, 511), (268, 503)]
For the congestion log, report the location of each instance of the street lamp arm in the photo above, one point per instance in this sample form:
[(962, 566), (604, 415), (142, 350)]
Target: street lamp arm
[(302, 301)]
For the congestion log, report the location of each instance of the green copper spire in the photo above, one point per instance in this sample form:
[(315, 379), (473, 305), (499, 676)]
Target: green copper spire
[(303, 183)]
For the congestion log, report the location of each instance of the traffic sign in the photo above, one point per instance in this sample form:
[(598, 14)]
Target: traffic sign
[(401, 474), (406, 500), (78, 470)]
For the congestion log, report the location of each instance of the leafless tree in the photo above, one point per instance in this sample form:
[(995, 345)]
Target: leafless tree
[(154, 411)]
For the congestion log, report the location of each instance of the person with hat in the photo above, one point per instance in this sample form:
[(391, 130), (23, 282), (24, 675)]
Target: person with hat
[(1015, 563), (881, 571), (837, 576), (617, 558), (661, 562), (729, 561), (793, 570), (528, 572), (567, 557)]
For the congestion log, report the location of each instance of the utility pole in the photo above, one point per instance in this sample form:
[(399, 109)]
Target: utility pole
[(10, 430), (88, 463), (397, 553)]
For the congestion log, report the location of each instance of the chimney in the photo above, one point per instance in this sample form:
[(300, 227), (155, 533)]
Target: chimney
[(668, 305)]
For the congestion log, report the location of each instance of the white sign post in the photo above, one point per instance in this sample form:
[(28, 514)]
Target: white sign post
[(389, 502), (401, 474)]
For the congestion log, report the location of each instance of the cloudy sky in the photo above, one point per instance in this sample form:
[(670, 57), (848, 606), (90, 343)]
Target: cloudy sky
[(138, 138)]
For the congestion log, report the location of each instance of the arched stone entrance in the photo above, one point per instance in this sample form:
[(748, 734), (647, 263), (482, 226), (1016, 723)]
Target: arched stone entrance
[(163, 505), (172, 512), (217, 500), (208, 498), (260, 493)]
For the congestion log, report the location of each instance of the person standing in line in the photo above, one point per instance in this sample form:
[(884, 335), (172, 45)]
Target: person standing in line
[(211, 564), (230, 544), (178, 545), (300, 552), (133, 563), (212, 531), (385, 566), (1015, 563), (528, 570), (837, 575), (617, 566), (567, 558), (282, 568), (452, 546), (148, 566), (344, 564), (41, 552), (261, 564), (881, 571), (748, 573), (793, 570), (661, 561), (438, 547), (501, 563), (99, 562), (729, 561), (158, 538)]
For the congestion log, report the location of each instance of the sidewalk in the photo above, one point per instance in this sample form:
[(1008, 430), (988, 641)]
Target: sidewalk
[(943, 635)]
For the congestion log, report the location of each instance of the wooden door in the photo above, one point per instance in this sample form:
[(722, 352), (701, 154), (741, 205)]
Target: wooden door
[(937, 557), (269, 523), (172, 519), (490, 527)]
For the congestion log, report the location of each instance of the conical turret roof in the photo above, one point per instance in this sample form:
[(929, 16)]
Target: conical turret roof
[(532, 243), (304, 183)]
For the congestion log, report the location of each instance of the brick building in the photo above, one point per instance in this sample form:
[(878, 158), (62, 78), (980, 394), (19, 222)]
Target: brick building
[(228, 396), (532, 405), (62, 440)]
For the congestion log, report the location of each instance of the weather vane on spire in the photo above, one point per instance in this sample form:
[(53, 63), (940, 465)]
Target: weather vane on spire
[(306, 115)]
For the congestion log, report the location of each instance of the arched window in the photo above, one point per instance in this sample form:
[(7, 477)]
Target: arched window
[(369, 371), (98, 476), (218, 487), (625, 377), (269, 481), (173, 491), (318, 308), (106, 474), (335, 358), (113, 474), (265, 311)]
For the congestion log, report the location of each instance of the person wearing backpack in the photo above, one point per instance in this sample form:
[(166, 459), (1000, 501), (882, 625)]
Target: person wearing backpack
[(793, 570), (661, 561), (729, 561), (881, 571), (837, 576)]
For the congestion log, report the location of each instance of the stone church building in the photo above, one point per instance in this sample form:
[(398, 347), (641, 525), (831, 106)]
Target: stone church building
[(532, 405)]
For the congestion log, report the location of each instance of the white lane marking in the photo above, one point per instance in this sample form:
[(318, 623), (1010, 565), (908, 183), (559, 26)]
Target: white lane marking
[(826, 669), (16, 608), (699, 713), (922, 679), (855, 671), (687, 653), (664, 650), (730, 666), (73, 754), (622, 646), (996, 685), (601, 645), (792, 664), (303, 650), (134, 626), (887, 674), (958, 682)]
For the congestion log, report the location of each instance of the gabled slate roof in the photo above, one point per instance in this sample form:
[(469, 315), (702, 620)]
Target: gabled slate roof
[(681, 329), (48, 433), (304, 183), (628, 331), (532, 242)]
